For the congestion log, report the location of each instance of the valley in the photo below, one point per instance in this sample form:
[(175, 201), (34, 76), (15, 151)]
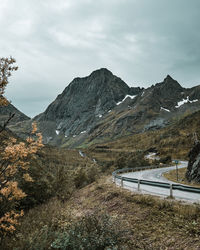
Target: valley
[(96, 125), (99, 125)]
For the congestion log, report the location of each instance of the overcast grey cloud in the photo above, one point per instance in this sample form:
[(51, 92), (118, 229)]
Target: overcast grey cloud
[(141, 41)]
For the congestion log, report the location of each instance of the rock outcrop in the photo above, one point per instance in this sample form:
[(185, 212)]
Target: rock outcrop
[(193, 169)]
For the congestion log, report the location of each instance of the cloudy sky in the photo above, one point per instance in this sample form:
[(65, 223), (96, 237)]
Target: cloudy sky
[(54, 41)]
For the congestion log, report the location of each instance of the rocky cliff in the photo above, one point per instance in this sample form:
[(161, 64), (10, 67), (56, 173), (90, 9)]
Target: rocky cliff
[(193, 169)]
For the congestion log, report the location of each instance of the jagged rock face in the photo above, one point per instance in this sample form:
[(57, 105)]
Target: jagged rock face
[(193, 169), (102, 107), (169, 87), (151, 109), (10, 109), (165, 94), (97, 93), (85, 101), (168, 92)]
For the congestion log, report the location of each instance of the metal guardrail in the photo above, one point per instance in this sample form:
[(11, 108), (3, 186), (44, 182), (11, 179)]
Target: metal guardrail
[(166, 185)]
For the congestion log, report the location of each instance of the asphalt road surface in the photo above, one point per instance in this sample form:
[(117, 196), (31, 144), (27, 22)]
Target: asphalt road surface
[(156, 175)]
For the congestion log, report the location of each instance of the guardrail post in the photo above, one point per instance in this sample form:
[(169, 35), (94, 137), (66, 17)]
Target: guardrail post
[(171, 190), (138, 185), (122, 184)]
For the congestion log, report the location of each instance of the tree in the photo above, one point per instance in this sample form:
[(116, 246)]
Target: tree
[(6, 68), (14, 161)]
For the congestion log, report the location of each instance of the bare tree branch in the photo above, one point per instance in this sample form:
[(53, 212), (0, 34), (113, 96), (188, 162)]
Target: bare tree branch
[(7, 122)]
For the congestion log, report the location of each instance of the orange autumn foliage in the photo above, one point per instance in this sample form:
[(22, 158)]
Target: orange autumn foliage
[(9, 221), (14, 160), (6, 68)]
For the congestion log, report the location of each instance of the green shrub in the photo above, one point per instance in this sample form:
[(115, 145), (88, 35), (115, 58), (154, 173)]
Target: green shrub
[(96, 232), (83, 176), (130, 160), (51, 181), (40, 240), (80, 178)]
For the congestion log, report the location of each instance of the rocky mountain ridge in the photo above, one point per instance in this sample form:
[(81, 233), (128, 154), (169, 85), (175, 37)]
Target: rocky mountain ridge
[(83, 103), (103, 107), (6, 111), (85, 100)]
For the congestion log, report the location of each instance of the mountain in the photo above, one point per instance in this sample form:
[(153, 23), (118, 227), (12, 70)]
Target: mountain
[(153, 108), (5, 111), (102, 107), (83, 104)]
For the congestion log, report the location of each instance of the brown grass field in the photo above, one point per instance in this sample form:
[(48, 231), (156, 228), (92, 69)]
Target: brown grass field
[(149, 222)]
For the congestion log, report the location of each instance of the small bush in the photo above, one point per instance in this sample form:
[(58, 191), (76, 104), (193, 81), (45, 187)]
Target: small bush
[(130, 160), (96, 231), (40, 240), (85, 176)]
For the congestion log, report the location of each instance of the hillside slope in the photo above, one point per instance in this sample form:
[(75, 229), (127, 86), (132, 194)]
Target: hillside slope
[(175, 140), (143, 222)]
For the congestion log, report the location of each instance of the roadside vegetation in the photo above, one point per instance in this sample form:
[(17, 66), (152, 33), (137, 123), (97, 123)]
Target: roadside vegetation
[(102, 215)]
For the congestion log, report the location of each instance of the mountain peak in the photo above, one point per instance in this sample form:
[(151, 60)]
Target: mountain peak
[(168, 78), (169, 82), (168, 88), (102, 71), (84, 101)]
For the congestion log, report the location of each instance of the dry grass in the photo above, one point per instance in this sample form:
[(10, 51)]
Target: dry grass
[(151, 223)]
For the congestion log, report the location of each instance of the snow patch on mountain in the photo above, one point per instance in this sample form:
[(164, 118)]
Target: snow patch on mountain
[(179, 104), (130, 96), (164, 109)]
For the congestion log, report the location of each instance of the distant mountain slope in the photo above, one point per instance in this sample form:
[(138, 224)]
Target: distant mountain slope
[(10, 109), (102, 107), (175, 140)]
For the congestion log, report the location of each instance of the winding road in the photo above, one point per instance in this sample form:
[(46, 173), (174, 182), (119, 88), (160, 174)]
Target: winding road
[(157, 175)]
